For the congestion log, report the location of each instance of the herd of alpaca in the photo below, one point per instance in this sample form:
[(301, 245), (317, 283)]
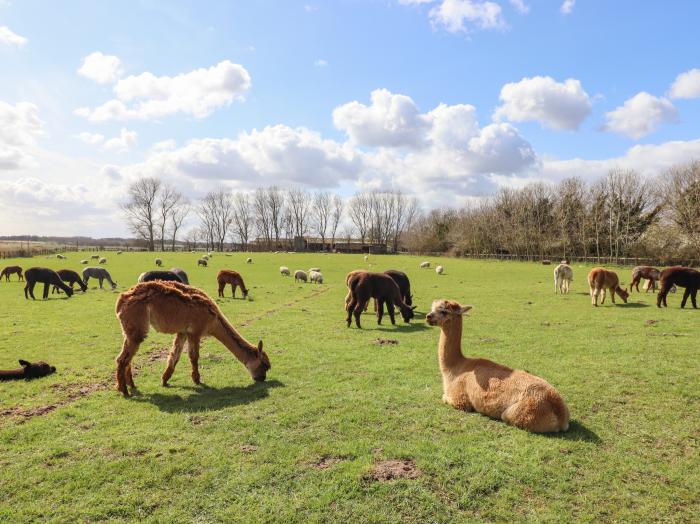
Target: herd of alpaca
[(164, 300)]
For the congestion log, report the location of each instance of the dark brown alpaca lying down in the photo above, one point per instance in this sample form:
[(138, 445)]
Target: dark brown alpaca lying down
[(28, 371)]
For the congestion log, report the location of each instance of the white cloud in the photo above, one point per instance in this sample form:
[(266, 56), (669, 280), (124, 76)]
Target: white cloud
[(686, 85), (521, 6), (640, 115), (20, 126), (125, 141), (567, 6), (197, 93), (9, 37), (91, 138), (101, 68), (457, 16), (320, 63), (390, 121), (557, 105)]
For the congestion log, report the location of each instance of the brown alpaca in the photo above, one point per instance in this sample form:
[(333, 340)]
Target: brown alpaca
[(28, 371), (680, 276), (650, 273), (380, 287), (476, 384), (601, 279), (228, 276), (11, 270), (172, 307)]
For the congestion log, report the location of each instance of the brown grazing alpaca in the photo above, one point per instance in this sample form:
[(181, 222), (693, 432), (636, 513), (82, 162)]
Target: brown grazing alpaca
[(650, 273), (476, 384), (11, 270), (71, 278), (28, 371), (228, 276), (680, 276), (172, 307), (46, 276), (601, 279), (382, 287)]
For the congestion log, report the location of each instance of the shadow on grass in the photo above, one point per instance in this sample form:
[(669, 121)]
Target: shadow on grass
[(577, 432), (634, 305), (206, 398), (404, 328)]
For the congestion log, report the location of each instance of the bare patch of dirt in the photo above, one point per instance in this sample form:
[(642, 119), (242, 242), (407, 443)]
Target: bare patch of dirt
[(249, 448), (386, 341), (159, 354), (651, 322), (387, 470), (327, 462), (213, 357), (487, 340), (196, 420)]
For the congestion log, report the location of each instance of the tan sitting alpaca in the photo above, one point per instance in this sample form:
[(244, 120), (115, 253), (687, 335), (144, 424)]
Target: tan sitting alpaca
[(477, 384), (172, 307)]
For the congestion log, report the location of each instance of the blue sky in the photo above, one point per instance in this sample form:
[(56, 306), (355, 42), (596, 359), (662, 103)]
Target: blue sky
[(305, 60)]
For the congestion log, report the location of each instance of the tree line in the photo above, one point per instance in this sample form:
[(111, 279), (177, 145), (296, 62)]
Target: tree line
[(621, 215)]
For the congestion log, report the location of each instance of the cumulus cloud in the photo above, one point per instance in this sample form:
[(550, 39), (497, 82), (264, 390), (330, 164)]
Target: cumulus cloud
[(389, 121), (20, 126), (9, 37), (91, 138), (456, 16), (521, 6), (197, 93), (686, 85), (567, 6), (640, 115), (556, 105), (122, 143), (101, 68)]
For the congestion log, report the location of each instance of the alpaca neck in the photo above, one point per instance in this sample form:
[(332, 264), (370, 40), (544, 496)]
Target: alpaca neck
[(450, 347), (12, 374), (225, 333)]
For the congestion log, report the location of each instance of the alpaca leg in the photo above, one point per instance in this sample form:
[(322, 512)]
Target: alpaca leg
[(358, 312), (380, 310), (612, 294), (173, 357), (591, 291), (604, 293), (350, 309), (193, 351), (46, 290), (686, 294), (390, 307), (694, 297), (233, 291), (129, 349), (130, 377)]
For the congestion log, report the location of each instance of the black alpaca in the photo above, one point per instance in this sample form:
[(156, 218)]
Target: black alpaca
[(28, 371), (382, 287), (168, 276), (46, 276), (181, 273), (682, 277), (404, 284), (71, 278)]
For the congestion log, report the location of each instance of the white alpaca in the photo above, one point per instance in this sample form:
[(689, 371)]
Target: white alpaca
[(563, 275)]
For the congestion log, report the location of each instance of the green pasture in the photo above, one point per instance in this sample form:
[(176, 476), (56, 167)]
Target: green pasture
[(302, 446)]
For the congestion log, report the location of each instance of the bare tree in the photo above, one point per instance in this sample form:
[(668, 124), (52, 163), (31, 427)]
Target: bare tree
[(242, 218), (322, 210), (298, 203), (141, 209), (360, 209), (178, 214), (275, 203), (681, 192), (406, 210), (336, 215), (263, 220)]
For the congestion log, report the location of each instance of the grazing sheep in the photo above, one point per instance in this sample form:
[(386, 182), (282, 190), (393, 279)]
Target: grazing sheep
[(119, 252), (60, 257), (181, 273), (205, 257), (316, 277), (600, 279), (366, 258), (248, 260), (202, 262), (84, 262), (546, 262), (103, 260), (439, 270), (300, 275), (317, 269), (284, 270), (563, 275), (679, 276), (210, 254), (100, 274), (159, 262), (95, 257), (475, 384), (425, 265)]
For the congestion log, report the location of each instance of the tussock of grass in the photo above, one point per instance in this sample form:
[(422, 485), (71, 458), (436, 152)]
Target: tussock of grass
[(305, 445)]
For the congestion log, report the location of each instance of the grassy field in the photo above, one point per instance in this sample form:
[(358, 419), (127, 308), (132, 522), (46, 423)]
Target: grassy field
[(302, 447)]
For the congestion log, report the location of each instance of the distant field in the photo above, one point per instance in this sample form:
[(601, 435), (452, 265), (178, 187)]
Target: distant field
[(301, 446)]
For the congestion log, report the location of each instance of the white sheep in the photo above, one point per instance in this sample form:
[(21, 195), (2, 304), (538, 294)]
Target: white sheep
[(159, 262), (61, 257), (83, 261), (284, 270), (119, 252), (424, 265), (248, 260), (300, 275), (316, 277), (366, 258), (103, 260), (317, 269), (439, 270), (210, 254)]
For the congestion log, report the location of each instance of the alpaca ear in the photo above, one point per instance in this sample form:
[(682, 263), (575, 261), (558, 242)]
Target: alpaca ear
[(413, 307), (463, 310), (260, 346), (24, 363)]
